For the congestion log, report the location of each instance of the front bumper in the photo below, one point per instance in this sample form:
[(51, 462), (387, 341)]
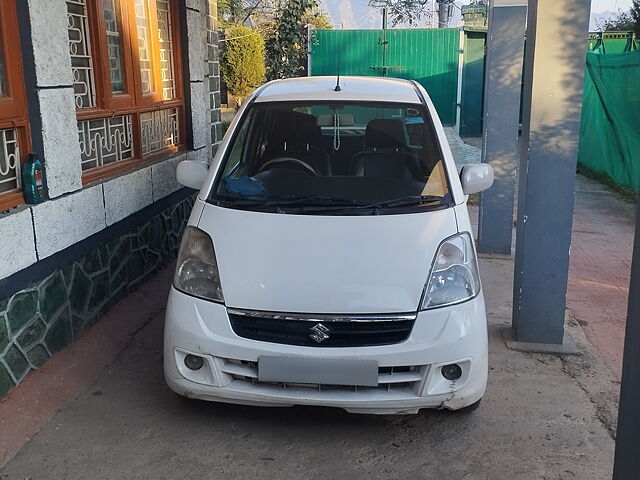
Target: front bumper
[(439, 337)]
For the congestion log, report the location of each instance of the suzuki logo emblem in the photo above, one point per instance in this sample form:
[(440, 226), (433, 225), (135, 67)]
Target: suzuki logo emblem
[(319, 333)]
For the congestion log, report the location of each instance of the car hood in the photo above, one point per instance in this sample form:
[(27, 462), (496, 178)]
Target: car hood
[(325, 264)]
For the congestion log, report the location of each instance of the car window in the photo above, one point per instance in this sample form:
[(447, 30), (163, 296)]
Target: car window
[(357, 154)]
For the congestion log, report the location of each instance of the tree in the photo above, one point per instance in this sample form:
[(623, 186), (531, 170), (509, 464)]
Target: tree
[(286, 41), (317, 18), (635, 15), (621, 21), (245, 12), (243, 60), (402, 11)]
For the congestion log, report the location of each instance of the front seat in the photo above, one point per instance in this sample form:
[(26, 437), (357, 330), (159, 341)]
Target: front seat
[(297, 135), (385, 154)]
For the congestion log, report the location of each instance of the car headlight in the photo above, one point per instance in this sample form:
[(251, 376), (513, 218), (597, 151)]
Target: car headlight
[(197, 268), (454, 276)]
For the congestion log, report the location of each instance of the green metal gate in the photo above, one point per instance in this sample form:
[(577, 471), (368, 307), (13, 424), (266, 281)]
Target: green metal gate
[(429, 56), (471, 104)]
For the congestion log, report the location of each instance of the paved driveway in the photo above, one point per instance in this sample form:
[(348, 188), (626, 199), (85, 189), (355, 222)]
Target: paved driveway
[(538, 421)]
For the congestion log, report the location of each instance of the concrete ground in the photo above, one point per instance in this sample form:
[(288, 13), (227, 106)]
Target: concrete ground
[(543, 417), (600, 258), (599, 267), (92, 412)]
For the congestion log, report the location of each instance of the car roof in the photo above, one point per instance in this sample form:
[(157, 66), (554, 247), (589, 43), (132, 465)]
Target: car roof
[(368, 89)]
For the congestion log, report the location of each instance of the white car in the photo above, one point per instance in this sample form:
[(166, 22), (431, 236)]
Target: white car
[(329, 257)]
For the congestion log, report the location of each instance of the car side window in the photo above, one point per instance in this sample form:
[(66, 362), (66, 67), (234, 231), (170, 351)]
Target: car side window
[(238, 155)]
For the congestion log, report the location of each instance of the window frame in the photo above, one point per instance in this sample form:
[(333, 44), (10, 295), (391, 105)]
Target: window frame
[(133, 102), (13, 107)]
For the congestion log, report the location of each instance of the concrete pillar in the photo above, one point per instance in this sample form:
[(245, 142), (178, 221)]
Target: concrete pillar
[(503, 75), (554, 69), (196, 53), (627, 460), (213, 75), (204, 77), (49, 87)]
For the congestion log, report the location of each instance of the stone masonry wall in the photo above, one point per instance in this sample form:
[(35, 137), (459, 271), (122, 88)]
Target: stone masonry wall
[(47, 315), (212, 74)]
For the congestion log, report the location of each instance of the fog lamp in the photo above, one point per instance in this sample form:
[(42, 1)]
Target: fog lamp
[(452, 372), (193, 362)]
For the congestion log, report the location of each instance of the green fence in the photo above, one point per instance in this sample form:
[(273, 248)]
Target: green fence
[(429, 56), (610, 128), (471, 102), (610, 125), (612, 42)]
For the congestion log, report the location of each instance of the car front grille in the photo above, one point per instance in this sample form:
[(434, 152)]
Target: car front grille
[(398, 378), (321, 330)]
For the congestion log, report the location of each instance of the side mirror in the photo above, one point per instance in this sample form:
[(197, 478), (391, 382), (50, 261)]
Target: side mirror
[(476, 178), (191, 173)]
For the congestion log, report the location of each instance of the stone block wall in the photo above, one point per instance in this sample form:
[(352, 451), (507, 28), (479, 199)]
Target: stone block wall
[(212, 74), (47, 315), (69, 259)]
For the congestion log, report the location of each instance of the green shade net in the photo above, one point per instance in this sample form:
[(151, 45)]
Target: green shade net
[(610, 124)]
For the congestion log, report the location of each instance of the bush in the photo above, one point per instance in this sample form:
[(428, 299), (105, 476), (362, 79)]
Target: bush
[(243, 61), (287, 40)]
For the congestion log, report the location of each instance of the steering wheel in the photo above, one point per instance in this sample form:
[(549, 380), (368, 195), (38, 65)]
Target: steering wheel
[(308, 169)]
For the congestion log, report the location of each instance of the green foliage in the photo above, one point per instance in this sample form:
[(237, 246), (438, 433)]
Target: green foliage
[(635, 15), (402, 11), (286, 44), (620, 22), (243, 60), (318, 19), (245, 12), (624, 21)]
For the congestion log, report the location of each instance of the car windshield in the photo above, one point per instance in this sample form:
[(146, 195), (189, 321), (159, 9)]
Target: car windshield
[(331, 157)]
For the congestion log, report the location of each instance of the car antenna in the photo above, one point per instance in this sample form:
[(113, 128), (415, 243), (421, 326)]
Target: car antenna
[(338, 89)]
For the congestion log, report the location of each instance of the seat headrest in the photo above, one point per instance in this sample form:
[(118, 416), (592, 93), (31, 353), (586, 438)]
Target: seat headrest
[(385, 133), (329, 120), (294, 128)]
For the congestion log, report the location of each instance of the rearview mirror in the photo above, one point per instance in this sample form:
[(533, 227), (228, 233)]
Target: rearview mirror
[(476, 178), (191, 173)]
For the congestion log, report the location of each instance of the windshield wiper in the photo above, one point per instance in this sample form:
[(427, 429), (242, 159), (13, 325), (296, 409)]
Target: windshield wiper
[(326, 203), (290, 200), (318, 200), (407, 201), (396, 202), (238, 201)]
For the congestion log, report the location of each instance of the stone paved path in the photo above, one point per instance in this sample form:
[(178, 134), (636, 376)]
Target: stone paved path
[(600, 267)]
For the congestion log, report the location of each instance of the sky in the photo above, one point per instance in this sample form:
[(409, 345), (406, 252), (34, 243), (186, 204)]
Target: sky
[(358, 14)]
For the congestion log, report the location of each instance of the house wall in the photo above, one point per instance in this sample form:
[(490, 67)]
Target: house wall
[(66, 261)]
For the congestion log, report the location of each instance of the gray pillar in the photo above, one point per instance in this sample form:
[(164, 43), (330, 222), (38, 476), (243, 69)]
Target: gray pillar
[(554, 69), (627, 460), (503, 76)]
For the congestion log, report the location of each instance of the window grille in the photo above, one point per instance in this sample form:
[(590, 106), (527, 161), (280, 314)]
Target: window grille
[(112, 20), (144, 46), (159, 129), (9, 160), (80, 50), (14, 120), (166, 49), (129, 103), (105, 140)]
